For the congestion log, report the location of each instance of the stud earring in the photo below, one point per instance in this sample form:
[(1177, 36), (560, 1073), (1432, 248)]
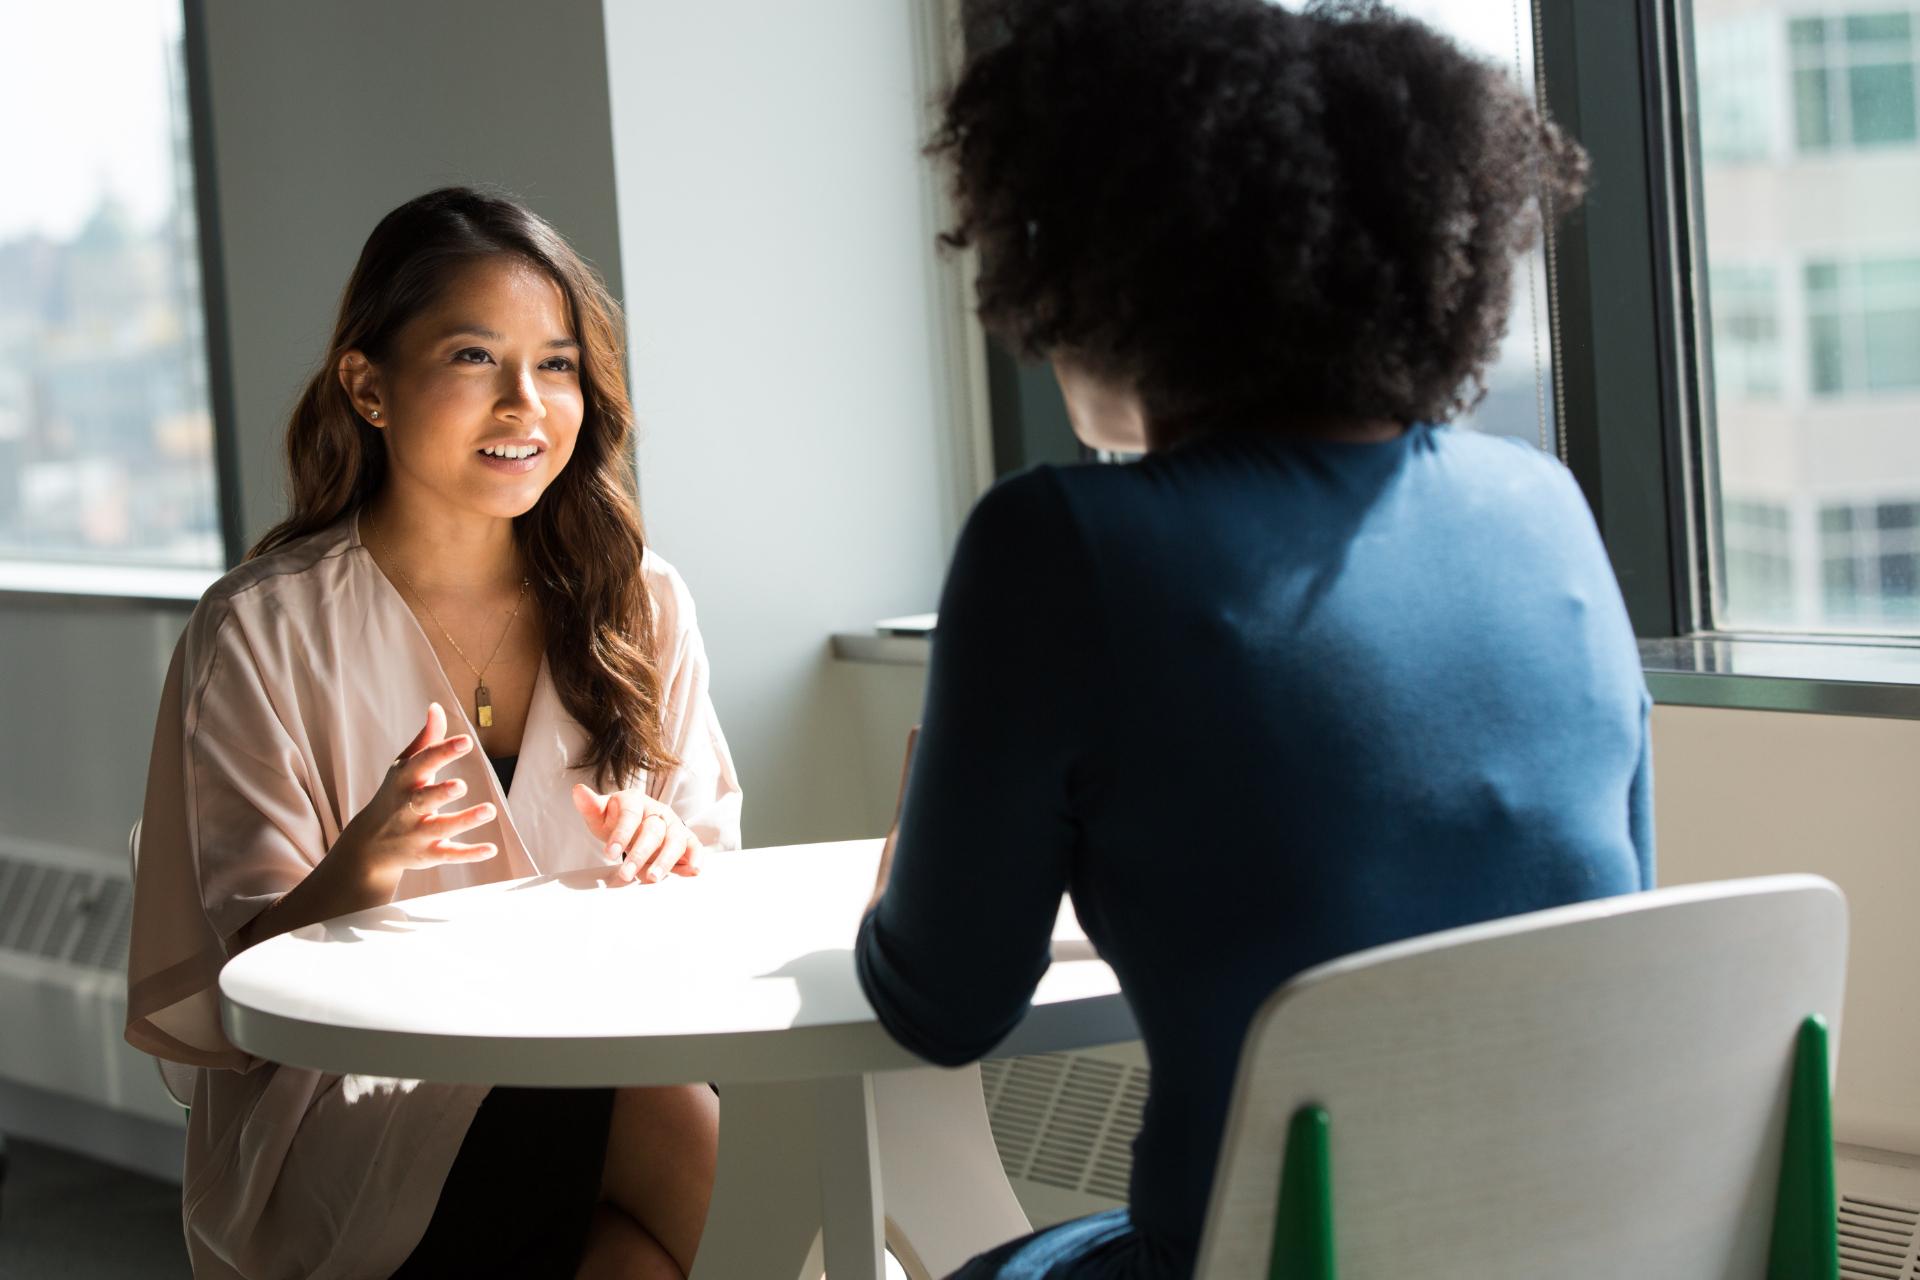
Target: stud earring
[(376, 413)]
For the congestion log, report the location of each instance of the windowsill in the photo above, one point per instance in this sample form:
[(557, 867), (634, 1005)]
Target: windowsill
[(879, 647), (1822, 675), (1835, 677), (60, 582)]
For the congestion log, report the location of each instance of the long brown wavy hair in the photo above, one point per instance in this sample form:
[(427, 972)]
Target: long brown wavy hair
[(582, 541)]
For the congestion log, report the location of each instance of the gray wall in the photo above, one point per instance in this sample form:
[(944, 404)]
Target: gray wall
[(78, 686), (326, 116), (791, 333)]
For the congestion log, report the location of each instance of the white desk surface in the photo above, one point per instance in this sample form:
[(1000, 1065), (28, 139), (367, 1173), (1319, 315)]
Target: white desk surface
[(741, 974)]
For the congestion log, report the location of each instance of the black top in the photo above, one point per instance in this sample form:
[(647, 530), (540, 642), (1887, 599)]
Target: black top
[(503, 765), (1256, 703)]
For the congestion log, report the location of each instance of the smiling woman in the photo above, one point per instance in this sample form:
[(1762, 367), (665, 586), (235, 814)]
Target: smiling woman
[(461, 480)]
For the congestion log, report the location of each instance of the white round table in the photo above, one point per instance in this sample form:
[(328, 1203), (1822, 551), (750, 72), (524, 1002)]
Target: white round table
[(742, 976)]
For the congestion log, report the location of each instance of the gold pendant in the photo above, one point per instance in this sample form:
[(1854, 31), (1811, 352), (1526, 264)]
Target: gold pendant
[(483, 707)]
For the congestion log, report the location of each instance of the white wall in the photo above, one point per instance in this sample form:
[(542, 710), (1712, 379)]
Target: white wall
[(1742, 793), (788, 319)]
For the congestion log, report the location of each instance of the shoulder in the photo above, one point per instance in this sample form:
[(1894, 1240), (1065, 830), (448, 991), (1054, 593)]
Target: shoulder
[(1501, 479), (298, 580), (673, 612), (309, 566), (1023, 551), (1027, 505), (304, 572), (1504, 457)]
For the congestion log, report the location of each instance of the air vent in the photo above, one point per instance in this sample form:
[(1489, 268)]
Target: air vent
[(77, 916), (1066, 1120), (1878, 1239)]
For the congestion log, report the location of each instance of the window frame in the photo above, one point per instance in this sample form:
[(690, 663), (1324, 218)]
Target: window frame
[(31, 580), (1635, 359), (1629, 354)]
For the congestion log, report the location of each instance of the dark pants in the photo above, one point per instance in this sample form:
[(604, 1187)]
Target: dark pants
[(522, 1190)]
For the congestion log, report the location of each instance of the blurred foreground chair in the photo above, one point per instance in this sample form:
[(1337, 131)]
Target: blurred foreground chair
[(177, 1077), (1632, 1087)]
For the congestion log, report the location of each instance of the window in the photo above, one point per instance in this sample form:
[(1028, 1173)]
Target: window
[(1870, 563), (106, 439), (1812, 435), (1759, 556), (1852, 80), (1740, 60), (1863, 325), (1746, 333), (1521, 390)]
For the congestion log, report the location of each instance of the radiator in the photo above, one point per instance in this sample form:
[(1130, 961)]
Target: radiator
[(64, 920), (1064, 1124)]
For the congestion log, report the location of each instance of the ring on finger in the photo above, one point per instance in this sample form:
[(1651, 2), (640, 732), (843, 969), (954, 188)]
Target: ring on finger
[(414, 808)]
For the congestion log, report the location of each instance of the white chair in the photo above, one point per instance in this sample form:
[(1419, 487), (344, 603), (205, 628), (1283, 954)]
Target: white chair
[(1596, 1092), (175, 1076)]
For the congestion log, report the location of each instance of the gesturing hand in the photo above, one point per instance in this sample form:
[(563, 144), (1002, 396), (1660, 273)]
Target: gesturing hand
[(647, 836), (402, 828)]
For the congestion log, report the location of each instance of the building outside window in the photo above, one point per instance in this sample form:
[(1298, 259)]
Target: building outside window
[(1853, 79), (1759, 556), (1863, 325), (1809, 164), (1870, 563), (1741, 108), (1746, 333), (106, 440)]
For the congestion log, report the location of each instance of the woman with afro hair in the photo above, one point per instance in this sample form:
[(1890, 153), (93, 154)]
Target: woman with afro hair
[(1320, 671)]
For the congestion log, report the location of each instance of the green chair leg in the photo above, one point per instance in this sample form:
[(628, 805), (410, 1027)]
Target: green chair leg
[(1303, 1227), (1806, 1237)]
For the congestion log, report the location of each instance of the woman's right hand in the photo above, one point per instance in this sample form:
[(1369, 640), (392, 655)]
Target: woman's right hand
[(402, 828)]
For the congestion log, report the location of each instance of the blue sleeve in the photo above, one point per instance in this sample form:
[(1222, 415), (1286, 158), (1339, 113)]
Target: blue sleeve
[(950, 955), (1640, 798)]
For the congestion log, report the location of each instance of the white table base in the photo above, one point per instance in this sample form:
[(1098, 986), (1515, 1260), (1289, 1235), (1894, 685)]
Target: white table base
[(904, 1156)]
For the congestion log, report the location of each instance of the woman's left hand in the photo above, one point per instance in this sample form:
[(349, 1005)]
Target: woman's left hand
[(645, 835)]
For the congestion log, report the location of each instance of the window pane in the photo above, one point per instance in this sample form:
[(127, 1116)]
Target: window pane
[(1893, 350), (1863, 28), (1896, 575), (1746, 332), (1816, 412), (1895, 515), (1805, 33), (1740, 72), (1810, 109), (1519, 400), (1881, 100), (106, 444), (1827, 356), (1841, 589), (1823, 277)]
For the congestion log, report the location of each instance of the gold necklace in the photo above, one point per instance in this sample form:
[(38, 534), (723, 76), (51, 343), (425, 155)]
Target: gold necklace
[(482, 696)]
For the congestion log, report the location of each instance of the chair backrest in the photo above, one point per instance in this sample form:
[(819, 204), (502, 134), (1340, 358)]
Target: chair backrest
[(1587, 1093), (176, 1076)]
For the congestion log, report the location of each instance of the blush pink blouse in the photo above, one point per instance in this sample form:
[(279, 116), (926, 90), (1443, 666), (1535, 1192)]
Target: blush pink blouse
[(300, 676)]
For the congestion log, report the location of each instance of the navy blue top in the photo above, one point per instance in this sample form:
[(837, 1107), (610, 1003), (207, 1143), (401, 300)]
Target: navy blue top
[(1255, 703)]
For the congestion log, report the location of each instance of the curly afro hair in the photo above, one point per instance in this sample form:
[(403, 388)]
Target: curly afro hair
[(1253, 217)]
